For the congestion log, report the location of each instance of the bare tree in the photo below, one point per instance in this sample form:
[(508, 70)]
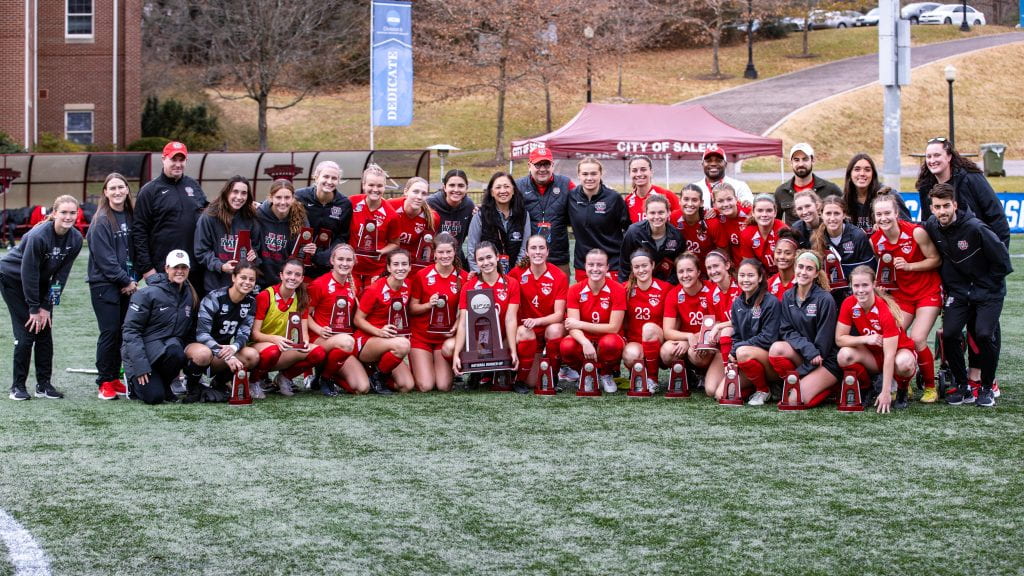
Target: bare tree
[(710, 16)]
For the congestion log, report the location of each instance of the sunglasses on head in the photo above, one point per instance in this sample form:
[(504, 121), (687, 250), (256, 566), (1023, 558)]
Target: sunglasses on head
[(939, 139)]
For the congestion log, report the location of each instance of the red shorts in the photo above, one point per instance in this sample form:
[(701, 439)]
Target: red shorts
[(879, 356), (909, 303), (428, 342)]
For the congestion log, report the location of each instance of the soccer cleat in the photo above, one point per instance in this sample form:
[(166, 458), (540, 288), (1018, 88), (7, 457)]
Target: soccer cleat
[(995, 389), (961, 395), (930, 396), (311, 381), (118, 387), (327, 387), (986, 398), (758, 399), (19, 393), (902, 400), (608, 384), (48, 391), (652, 386), (568, 374), (520, 387), (178, 386), (106, 391), (256, 389), (284, 385), (378, 383)]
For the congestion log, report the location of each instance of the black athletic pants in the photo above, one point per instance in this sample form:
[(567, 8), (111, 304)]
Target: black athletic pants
[(25, 341), (983, 319), (110, 306), (165, 370)]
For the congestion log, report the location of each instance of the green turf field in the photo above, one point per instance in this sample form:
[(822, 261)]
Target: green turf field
[(480, 483)]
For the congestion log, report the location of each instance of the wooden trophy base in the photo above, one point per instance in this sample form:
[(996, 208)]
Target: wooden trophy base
[(501, 382)]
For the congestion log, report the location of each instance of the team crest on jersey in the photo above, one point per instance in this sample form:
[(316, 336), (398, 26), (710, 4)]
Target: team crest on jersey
[(358, 207), (335, 212), (516, 236), (949, 301), (386, 295), (848, 246), (584, 297), (962, 244), (600, 207), (556, 190), (755, 312), (856, 312), (671, 245), (431, 280), (757, 241), (244, 310), (454, 287), (502, 293), (605, 304), (716, 297), (275, 242), (812, 309), (419, 227), (906, 248), (188, 311), (546, 289), (680, 298), (876, 325), (190, 191), (654, 300), (223, 308)]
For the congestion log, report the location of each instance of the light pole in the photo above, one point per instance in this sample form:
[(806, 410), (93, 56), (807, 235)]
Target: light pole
[(963, 23), (588, 33), (750, 72), (950, 78), (442, 152)]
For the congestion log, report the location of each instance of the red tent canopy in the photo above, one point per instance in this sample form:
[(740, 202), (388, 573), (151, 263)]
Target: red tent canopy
[(620, 130)]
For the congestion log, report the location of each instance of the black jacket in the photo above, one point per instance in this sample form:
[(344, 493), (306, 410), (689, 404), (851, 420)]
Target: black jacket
[(41, 260), (215, 246), (784, 197), (335, 217), (166, 213), (454, 221), (755, 326), (810, 328), (551, 207), (110, 250), (854, 249), (637, 236), (597, 222), (159, 314), (974, 194), (974, 261), (273, 246), (861, 216)]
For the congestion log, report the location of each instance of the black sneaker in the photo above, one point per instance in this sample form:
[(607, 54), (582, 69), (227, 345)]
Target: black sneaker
[(901, 402), (19, 393), (378, 383), (520, 387), (327, 387), (961, 395), (48, 391), (986, 398)]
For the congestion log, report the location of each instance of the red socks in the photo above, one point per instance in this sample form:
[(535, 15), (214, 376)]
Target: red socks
[(314, 358), (862, 373), (926, 363), (335, 359), (781, 365), (268, 359), (526, 349), (652, 352), (725, 346), (754, 372), (553, 350), (388, 362)]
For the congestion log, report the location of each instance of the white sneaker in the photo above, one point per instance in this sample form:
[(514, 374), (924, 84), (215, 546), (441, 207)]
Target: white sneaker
[(307, 382), (652, 385), (568, 374), (284, 385), (758, 399), (608, 384), (256, 389)]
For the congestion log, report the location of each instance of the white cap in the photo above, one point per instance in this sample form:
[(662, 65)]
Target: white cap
[(802, 147), (177, 258)]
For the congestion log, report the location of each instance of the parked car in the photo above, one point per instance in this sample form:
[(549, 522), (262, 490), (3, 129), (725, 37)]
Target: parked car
[(833, 18), (741, 25), (913, 11), (869, 19), (953, 14)]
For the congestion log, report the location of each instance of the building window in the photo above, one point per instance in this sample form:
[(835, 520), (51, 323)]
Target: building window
[(78, 126), (79, 19)]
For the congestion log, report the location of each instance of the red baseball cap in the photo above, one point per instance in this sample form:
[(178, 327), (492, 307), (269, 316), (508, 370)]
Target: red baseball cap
[(716, 151), (174, 148), (541, 155)]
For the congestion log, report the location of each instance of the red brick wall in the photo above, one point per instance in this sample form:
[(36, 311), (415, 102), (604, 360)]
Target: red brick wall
[(12, 69)]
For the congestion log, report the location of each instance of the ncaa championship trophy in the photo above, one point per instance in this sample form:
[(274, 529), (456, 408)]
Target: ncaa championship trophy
[(849, 393), (425, 252), (305, 237), (294, 331), (341, 316), (678, 386), (440, 317), (704, 336), (545, 380), (240, 395), (638, 382), (791, 385), (485, 349), (243, 245), (398, 318), (733, 395), (588, 385), (834, 271), (367, 244), (323, 239), (885, 277)]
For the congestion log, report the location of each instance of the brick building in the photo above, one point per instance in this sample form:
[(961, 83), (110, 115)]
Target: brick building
[(71, 68)]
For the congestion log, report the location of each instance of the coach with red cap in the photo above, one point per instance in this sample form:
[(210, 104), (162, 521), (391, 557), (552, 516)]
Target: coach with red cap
[(546, 196), (714, 163), (166, 212)]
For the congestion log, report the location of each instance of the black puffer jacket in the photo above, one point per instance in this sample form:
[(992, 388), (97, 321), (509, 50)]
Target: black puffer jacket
[(159, 314)]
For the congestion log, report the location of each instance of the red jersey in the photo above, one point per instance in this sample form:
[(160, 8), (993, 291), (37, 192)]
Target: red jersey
[(754, 244), (596, 307), (721, 301), (911, 285), (777, 287), (697, 236), (635, 204), (537, 296), (323, 295), (645, 306), (378, 298), (878, 320), (411, 232), (505, 291), (367, 243), (690, 310), (725, 234), (428, 282)]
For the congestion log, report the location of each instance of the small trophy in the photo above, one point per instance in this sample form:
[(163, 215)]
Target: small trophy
[(638, 382), (240, 395), (733, 395), (502, 381), (678, 387), (885, 277), (243, 245), (305, 237), (440, 317), (398, 318), (323, 239), (294, 331), (849, 394), (425, 251), (704, 337), (367, 245), (546, 380), (834, 271), (791, 385), (341, 316), (588, 385)]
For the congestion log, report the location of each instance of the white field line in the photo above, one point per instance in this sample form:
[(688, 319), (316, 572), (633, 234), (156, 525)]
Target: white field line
[(26, 556)]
